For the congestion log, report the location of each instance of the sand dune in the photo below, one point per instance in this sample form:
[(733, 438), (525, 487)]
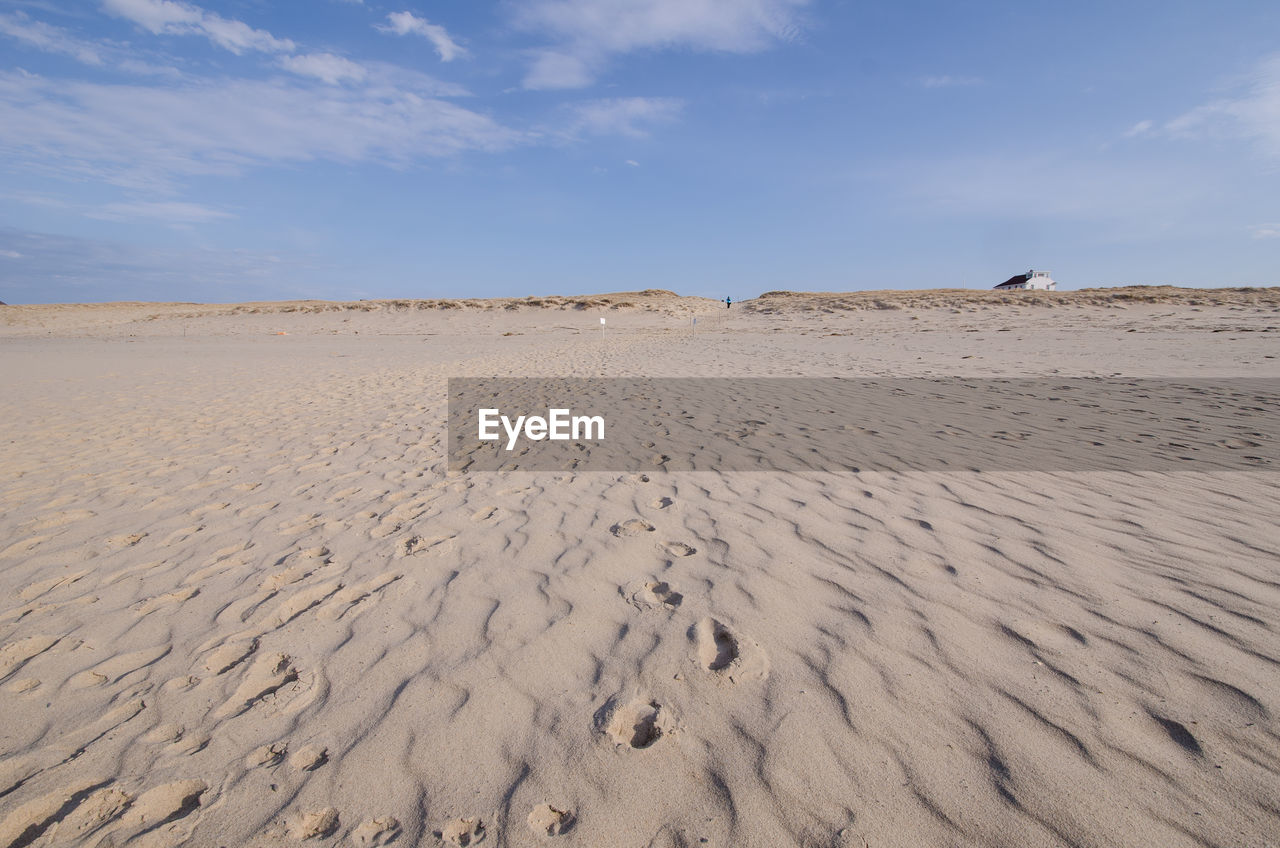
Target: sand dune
[(247, 604)]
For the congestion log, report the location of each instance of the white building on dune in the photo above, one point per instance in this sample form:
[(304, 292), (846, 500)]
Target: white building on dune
[(1031, 280)]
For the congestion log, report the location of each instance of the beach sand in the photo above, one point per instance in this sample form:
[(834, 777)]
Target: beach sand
[(246, 604)]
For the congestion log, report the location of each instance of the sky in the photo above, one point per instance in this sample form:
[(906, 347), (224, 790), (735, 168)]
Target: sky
[(343, 149)]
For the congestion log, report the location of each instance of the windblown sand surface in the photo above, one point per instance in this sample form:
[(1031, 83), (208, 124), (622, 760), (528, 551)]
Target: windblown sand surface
[(244, 602)]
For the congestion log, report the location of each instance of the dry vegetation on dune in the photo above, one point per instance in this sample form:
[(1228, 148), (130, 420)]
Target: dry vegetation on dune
[(665, 301), (658, 301), (649, 300), (789, 301)]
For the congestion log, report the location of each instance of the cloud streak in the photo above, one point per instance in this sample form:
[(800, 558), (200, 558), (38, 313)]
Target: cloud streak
[(949, 81), (172, 17), (325, 66), (148, 135), (407, 23), (586, 33), (48, 38), (1253, 115), (627, 116), (170, 212)]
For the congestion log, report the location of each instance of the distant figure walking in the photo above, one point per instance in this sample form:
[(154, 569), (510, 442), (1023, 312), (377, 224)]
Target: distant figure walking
[(728, 302)]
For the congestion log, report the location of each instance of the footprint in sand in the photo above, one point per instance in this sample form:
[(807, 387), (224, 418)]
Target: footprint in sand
[(462, 832), (637, 724), (651, 595), (229, 655), (679, 549), (662, 503), (376, 832), (316, 824), (727, 654), (717, 648), (267, 755), (264, 677), (417, 545), (27, 823), (546, 820), (309, 758), (164, 803), (631, 527), (97, 810)]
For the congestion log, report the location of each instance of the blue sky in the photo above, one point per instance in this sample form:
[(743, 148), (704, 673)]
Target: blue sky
[(247, 149)]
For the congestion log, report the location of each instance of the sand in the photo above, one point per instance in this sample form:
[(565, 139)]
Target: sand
[(245, 603)]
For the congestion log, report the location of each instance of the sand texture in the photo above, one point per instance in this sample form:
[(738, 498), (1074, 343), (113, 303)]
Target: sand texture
[(244, 603)]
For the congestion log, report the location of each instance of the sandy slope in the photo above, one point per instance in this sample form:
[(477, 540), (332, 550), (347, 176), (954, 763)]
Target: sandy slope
[(246, 605)]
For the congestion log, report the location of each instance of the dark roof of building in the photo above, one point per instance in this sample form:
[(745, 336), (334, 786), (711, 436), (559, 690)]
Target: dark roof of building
[(1015, 280)]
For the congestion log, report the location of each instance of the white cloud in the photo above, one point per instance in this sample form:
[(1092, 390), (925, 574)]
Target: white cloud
[(633, 163), (948, 81), (1140, 128), (10, 254), (50, 39), (623, 115), (551, 70), (167, 211), (1266, 231), (147, 135), (588, 32), (173, 212), (406, 23), (325, 66), (173, 17), (1254, 114)]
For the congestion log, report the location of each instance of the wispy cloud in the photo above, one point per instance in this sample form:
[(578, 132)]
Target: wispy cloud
[(949, 81), (629, 116), (407, 23), (325, 66), (39, 35), (1253, 114), (587, 32), (1265, 231), (173, 17), (171, 212), (1139, 129), (146, 135), (49, 38)]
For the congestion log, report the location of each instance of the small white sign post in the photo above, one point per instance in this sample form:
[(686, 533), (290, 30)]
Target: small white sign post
[(601, 329)]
